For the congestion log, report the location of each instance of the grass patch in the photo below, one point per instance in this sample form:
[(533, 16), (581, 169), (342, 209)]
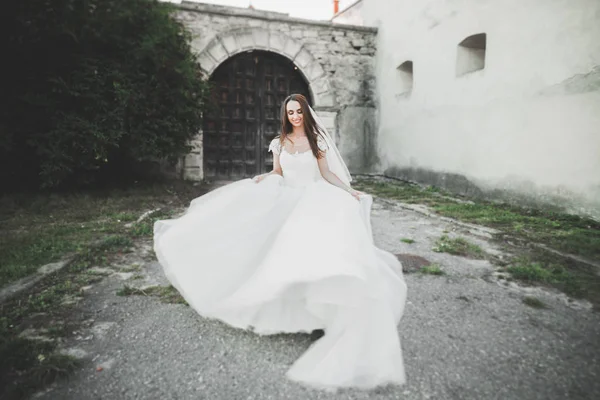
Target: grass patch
[(118, 242), (432, 269), (518, 226), (573, 278), (564, 232), (407, 240), (23, 252), (458, 246), (534, 302), (132, 268), (125, 217), (167, 294), (535, 273), (29, 365), (146, 227), (36, 229), (568, 233), (405, 192)]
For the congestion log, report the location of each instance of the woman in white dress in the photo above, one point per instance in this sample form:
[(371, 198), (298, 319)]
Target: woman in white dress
[(292, 251)]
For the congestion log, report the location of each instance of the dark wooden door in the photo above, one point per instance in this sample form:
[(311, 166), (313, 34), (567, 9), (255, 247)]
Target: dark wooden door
[(248, 90)]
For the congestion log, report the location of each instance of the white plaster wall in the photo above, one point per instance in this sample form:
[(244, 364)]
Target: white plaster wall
[(350, 13), (514, 123)]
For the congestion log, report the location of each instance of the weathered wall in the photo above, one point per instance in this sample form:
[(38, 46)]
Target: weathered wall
[(526, 127), (336, 60)]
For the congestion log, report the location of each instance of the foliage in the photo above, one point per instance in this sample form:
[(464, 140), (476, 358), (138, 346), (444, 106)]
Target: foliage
[(432, 269), (458, 246), (93, 88), (534, 302), (568, 233)]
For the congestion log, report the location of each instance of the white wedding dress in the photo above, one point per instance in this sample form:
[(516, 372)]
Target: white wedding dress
[(293, 254)]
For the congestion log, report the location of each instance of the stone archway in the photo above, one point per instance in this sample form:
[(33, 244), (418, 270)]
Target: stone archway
[(229, 43), (226, 45), (245, 114)]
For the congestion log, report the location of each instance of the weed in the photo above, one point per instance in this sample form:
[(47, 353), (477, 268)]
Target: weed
[(534, 272), (407, 240), (568, 233), (115, 242), (129, 291), (432, 269), (132, 268), (124, 217), (573, 279), (458, 246), (534, 302), (39, 229), (29, 365), (142, 229), (167, 294)]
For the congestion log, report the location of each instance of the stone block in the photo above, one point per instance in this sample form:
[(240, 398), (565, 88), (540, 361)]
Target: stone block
[(358, 42), (230, 44), (217, 51), (193, 173), (196, 144), (328, 119), (325, 100), (277, 42), (245, 40), (320, 85), (303, 58), (261, 38), (367, 51), (198, 44), (207, 63), (313, 71), (193, 160), (292, 47), (255, 23)]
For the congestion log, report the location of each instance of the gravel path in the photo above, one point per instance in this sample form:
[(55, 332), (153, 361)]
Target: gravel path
[(464, 336)]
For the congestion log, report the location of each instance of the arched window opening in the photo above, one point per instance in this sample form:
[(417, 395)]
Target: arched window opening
[(405, 77), (470, 55)]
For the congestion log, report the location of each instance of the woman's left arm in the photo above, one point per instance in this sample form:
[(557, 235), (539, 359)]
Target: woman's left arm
[(333, 178)]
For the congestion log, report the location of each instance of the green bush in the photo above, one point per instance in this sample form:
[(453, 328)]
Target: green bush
[(93, 87)]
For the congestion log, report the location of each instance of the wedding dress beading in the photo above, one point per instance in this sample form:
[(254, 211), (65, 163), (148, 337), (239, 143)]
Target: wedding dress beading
[(293, 254)]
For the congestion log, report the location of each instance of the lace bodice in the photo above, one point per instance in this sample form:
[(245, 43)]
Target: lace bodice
[(300, 168)]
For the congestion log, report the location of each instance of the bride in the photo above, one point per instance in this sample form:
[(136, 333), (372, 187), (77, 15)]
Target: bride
[(292, 251)]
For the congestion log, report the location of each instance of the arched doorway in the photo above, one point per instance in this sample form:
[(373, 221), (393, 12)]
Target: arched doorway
[(248, 90)]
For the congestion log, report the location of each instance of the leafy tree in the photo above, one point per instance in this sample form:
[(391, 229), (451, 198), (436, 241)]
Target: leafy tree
[(92, 87)]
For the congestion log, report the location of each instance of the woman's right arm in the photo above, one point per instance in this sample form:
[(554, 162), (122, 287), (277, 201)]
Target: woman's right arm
[(276, 169)]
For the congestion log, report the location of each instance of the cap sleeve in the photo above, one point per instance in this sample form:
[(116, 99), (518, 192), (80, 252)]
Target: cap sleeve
[(275, 146), (321, 143)]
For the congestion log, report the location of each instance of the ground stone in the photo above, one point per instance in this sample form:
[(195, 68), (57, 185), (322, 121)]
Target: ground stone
[(464, 336)]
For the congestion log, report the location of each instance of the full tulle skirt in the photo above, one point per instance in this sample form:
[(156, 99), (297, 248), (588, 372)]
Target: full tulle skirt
[(275, 258)]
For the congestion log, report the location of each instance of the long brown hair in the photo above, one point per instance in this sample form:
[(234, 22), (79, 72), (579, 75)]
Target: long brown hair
[(310, 125)]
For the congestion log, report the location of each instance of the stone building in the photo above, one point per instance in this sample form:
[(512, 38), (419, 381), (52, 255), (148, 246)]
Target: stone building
[(499, 99), (254, 59), (492, 98)]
